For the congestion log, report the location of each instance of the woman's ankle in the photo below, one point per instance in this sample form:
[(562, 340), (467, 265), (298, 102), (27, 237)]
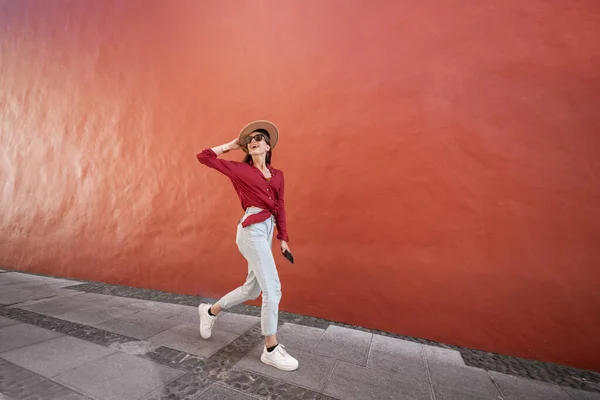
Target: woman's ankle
[(271, 341), (215, 309)]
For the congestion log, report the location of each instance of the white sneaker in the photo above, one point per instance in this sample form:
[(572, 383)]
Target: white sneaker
[(206, 321), (279, 358)]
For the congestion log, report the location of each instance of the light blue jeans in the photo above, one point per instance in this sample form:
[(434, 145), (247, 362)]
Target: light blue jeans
[(255, 243)]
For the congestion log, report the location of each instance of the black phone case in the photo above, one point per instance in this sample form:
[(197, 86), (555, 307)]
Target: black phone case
[(289, 256)]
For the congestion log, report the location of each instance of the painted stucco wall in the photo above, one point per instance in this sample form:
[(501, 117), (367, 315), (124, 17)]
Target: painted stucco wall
[(441, 156)]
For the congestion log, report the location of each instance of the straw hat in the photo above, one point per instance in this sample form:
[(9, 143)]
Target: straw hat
[(259, 124)]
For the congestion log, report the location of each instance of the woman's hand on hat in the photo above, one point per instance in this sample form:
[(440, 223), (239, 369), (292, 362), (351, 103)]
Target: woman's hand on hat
[(234, 144)]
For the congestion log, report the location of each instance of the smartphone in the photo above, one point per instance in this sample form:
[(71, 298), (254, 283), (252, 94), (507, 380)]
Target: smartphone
[(289, 256)]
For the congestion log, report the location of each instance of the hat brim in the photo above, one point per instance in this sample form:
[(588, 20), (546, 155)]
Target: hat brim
[(268, 126)]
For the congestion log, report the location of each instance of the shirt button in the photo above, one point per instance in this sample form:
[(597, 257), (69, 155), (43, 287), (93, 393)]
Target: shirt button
[(267, 189), (269, 198)]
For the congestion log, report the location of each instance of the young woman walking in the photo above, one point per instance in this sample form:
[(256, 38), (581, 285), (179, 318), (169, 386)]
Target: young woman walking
[(260, 189)]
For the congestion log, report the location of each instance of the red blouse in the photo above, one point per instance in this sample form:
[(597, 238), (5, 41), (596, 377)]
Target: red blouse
[(253, 189)]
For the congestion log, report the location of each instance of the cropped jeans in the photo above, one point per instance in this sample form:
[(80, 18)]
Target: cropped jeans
[(255, 243)]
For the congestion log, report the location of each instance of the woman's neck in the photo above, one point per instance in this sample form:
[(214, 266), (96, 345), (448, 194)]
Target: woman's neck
[(259, 161)]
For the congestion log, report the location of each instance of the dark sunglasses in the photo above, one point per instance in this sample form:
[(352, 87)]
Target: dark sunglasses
[(258, 137)]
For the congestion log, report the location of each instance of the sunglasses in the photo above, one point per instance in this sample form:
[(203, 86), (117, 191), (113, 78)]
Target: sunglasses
[(259, 137)]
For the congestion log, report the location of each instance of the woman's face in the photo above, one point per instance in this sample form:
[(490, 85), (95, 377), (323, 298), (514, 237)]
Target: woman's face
[(257, 144)]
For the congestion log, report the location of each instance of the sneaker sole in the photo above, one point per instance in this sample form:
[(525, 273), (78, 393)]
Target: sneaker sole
[(272, 364)]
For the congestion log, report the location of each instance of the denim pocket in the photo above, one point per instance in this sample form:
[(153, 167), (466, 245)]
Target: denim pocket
[(240, 230)]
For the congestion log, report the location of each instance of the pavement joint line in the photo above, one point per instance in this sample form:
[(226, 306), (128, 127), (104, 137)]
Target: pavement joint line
[(496, 384)]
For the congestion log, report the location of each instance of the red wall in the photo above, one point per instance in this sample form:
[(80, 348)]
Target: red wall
[(441, 157)]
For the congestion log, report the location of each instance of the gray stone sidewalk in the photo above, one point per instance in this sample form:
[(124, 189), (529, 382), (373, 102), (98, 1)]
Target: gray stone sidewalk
[(60, 342)]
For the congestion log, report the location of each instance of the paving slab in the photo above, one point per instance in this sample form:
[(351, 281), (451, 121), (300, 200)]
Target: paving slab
[(189, 316), (51, 280), (139, 327), (451, 393), (96, 297), (48, 291), (353, 382), (398, 356), (515, 388), (136, 347), (158, 305), (57, 306), (164, 310), (4, 322), (19, 383), (218, 392), (95, 315), (345, 344), (577, 394), (19, 277), (117, 377), (144, 303), (226, 321), (442, 356), (16, 277), (20, 335), (468, 379), (235, 323), (7, 277), (53, 357), (299, 337), (313, 372), (55, 294), (116, 301), (62, 292), (15, 296), (45, 285), (25, 285), (186, 338)]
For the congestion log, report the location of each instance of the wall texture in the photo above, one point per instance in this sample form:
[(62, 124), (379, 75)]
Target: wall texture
[(441, 156)]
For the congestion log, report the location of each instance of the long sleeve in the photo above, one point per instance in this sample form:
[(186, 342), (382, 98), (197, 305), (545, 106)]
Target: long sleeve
[(280, 218), (209, 158)]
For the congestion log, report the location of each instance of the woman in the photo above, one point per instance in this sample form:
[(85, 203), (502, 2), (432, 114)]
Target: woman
[(260, 189)]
